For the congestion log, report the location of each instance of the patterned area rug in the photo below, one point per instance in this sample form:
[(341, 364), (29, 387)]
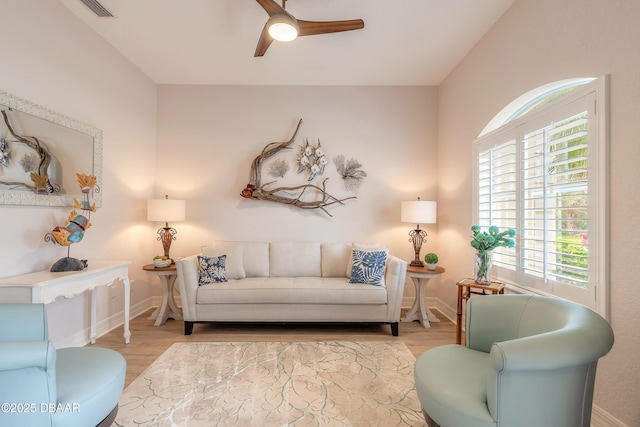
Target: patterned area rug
[(275, 384)]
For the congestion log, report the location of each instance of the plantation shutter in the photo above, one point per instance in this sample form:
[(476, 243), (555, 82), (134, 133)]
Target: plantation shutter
[(496, 191), (555, 202)]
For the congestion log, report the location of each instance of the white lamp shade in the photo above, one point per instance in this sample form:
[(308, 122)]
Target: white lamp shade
[(418, 212), (165, 210)]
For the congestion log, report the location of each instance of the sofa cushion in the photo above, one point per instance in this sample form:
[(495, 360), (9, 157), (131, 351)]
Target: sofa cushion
[(335, 258), (294, 259), (234, 264), (256, 259), (291, 290), (211, 269), (368, 266)]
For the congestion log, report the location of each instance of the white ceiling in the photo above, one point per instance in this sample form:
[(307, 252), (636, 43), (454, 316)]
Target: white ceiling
[(404, 42)]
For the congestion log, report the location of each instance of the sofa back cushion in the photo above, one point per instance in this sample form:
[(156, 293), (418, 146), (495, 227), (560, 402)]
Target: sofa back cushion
[(256, 259), (295, 259), (335, 258), (234, 263)]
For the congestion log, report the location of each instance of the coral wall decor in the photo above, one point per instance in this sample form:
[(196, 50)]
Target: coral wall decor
[(311, 161)]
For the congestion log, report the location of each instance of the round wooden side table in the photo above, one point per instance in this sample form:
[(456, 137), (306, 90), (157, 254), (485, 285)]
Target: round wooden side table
[(168, 308), (419, 311)]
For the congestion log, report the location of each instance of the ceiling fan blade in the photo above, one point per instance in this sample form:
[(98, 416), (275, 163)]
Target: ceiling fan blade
[(264, 42), (271, 7), (309, 28)]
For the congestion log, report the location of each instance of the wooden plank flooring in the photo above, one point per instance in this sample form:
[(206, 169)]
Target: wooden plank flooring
[(148, 342)]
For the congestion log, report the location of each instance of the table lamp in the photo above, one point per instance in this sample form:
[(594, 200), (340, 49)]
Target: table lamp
[(418, 212), (165, 210)]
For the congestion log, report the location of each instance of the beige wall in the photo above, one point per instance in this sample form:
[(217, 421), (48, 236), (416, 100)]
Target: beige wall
[(209, 135), (537, 42), (51, 58)]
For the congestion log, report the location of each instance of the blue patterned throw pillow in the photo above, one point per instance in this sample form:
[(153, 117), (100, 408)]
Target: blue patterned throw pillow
[(211, 269), (368, 266)]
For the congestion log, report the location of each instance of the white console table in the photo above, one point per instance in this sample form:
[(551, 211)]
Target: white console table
[(45, 286)]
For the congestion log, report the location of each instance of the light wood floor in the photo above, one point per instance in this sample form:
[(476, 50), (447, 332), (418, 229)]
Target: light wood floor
[(148, 341)]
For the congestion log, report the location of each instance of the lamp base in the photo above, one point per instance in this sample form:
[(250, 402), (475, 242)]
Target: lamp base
[(417, 238)]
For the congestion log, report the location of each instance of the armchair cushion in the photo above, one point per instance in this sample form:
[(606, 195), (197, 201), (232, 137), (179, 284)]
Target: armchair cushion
[(457, 389), (90, 379)]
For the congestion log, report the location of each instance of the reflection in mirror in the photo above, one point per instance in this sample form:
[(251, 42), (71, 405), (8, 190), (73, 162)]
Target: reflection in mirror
[(40, 153)]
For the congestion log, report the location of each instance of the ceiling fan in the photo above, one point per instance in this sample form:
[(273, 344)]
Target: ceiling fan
[(283, 26)]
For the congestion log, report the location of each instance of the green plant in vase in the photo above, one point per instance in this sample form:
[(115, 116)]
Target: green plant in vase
[(484, 242), (431, 259)]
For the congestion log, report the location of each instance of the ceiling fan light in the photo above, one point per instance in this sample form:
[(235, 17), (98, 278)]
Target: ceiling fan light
[(282, 28)]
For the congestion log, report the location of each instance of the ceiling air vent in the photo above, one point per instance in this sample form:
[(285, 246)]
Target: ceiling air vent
[(97, 8)]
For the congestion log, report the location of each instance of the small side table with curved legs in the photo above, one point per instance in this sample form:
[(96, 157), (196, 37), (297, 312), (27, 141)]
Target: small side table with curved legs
[(168, 308), (419, 311)]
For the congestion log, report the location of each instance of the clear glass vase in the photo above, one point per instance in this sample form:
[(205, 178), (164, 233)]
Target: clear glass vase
[(482, 267)]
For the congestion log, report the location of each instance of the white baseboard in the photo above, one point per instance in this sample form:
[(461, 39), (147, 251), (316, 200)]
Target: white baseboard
[(82, 338), (433, 303), (601, 418)]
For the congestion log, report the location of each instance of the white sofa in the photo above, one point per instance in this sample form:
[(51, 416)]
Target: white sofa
[(289, 282)]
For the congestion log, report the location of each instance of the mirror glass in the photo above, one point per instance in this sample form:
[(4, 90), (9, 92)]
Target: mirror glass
[(40, 153)]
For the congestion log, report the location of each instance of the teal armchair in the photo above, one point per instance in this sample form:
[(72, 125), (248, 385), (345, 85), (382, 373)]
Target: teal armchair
[(41, 386), (530, 361)]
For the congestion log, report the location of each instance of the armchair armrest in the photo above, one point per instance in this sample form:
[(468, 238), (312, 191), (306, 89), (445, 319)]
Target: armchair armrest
[(30, 368), (27, 354)]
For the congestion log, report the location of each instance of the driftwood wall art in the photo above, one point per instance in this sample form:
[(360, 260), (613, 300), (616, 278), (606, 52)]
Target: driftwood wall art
[(310, 160)]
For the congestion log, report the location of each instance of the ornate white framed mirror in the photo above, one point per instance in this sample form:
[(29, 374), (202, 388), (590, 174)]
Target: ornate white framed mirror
[(40, 153)]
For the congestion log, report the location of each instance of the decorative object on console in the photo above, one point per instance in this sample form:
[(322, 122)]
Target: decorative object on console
[(431, 259), (165, 210), (418, 212), (484, 243), (305, 196), (74, 228)]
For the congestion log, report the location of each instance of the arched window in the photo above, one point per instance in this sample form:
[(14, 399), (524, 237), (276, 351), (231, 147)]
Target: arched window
[(541, 168)]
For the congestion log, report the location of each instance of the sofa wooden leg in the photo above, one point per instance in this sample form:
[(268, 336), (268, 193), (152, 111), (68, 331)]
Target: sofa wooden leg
[(394, 329), (188, 327)]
